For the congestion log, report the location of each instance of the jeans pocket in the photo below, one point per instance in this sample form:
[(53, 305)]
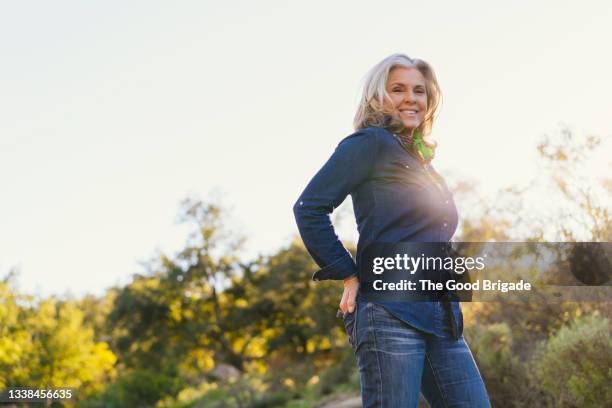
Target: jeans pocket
[(350, 321)]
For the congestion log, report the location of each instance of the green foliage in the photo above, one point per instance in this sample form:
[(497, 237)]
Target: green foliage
[(575, 364), (176, 321), (47, 344), (504, 374), (342, 374), (164, 317), (138, 388)]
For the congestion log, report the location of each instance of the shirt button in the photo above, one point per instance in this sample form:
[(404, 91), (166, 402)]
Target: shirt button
[(445, 225), (301, 203)]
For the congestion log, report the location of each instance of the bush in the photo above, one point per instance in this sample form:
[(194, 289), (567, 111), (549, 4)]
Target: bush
[(505, 376), (339, 374), (135, 389), (575, 365)]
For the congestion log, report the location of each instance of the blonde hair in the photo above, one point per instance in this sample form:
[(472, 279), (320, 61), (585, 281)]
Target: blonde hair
[(371, 113)]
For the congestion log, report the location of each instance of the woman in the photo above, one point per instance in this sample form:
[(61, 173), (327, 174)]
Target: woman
[(402, 348)]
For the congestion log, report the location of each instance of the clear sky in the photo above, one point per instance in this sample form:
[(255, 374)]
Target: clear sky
[(113, 112)]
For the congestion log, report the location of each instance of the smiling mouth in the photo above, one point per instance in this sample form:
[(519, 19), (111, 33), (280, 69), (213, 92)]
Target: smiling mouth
[(409, 111)]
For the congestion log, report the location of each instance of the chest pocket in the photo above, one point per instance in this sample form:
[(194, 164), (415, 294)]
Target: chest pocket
[(412, 171), (407, 169)]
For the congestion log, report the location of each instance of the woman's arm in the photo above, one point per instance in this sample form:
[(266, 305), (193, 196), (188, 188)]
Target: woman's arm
[(350, 164)]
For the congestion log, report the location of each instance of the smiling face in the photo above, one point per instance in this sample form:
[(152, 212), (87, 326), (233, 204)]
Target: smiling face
[(408, 96)]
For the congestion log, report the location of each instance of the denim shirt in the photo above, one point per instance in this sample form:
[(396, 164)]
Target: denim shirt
[(396, 198)]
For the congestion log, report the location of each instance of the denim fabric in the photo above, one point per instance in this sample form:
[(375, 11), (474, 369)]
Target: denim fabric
[(396, 198), (398, 362)]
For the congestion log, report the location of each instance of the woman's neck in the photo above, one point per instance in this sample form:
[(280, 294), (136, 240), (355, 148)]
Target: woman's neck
[(407, 136), (408, 133)]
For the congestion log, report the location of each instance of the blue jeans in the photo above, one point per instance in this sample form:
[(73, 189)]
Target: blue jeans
[(396, 362)]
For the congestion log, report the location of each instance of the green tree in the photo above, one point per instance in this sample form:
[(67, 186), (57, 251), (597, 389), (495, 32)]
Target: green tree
[(46, 344)]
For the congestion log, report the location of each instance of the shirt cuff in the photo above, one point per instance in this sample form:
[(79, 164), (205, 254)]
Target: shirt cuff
[(339, 270)]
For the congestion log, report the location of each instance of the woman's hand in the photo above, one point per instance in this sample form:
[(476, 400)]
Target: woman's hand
[(351, 287)]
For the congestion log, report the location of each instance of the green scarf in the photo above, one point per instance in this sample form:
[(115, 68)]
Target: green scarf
[(425, 152)]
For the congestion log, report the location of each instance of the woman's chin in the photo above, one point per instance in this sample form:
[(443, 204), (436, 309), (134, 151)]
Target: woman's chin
[(411, 122), (410, 125)]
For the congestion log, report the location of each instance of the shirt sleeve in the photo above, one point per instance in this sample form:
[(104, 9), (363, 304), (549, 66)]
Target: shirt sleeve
[(349, 165)]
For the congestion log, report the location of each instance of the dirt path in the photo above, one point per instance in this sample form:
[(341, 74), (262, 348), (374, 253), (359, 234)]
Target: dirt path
[(342, 401)]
